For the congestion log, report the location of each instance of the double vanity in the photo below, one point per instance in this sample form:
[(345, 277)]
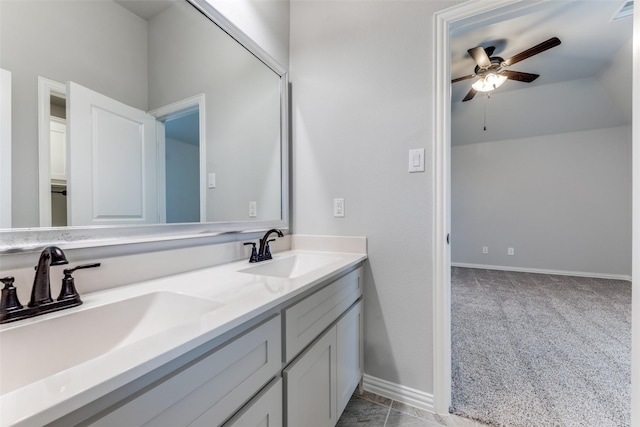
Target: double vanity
[(272, 343)]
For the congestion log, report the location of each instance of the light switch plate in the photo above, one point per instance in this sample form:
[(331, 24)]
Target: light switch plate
[(211, 180), (253, 209), (338, 208), (416, 160)]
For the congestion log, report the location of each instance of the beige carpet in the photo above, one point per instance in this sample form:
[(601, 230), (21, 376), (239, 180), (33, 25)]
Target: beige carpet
[(540, 350)]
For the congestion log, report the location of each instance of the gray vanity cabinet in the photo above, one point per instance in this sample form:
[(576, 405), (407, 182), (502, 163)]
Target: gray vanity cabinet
[(321, 379), (296, 365)]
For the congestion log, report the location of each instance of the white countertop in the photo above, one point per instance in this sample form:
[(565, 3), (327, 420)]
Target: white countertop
[(240, 297)]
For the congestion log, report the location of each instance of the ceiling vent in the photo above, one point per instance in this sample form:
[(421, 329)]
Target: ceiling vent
[(625, 9)]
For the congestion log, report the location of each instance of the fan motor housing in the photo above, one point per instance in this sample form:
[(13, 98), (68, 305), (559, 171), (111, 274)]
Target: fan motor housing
[(495, 67)]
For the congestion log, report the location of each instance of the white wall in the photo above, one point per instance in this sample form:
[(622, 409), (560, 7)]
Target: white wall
[(41, 39), (562, 201), (361, 98)]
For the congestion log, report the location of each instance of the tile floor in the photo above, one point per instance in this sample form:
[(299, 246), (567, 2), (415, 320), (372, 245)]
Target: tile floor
[(371, 410)]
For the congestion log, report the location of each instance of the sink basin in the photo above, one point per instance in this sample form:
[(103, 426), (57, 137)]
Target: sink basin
[(291, 267), (37, 350)]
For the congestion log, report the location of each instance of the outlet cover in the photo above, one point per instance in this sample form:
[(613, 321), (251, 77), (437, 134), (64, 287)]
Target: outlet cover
[(511, 251), (253, 209), (485, 249)]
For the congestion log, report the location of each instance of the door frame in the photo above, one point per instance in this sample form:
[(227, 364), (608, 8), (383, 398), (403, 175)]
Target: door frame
[(174, 110), (460, 18), (46, 88)]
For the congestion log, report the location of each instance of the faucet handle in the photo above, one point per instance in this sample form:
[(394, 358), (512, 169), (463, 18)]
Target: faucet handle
[(254, 252), (267, 249), (9, 300), (79, 267), (68, 290)]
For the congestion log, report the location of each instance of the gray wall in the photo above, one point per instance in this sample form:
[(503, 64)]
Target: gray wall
[(563, 201), (40, 38), (361, 94)]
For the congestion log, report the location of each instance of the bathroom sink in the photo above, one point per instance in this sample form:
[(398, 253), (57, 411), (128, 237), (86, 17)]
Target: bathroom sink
[(37, 350), (292, 266)]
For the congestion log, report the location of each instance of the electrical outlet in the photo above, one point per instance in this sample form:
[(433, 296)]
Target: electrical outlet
[(338, 208), (485, 249), (510, 251), (253, 209)]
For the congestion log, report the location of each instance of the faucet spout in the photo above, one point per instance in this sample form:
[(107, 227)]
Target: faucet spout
[(41, 290), (264, 244)]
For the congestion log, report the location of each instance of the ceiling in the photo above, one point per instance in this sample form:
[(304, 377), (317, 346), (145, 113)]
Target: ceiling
[(145, 9), (589, 40)]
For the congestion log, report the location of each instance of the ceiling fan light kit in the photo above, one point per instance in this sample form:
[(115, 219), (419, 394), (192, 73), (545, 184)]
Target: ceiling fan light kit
[(490, 82), (492, 70)]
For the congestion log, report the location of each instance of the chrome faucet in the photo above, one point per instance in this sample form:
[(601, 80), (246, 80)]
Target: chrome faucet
[(41, 290), (264, 252)]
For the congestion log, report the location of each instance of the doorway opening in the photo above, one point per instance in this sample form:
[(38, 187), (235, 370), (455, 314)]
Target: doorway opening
[(456, 19), (182, 167), (182, 151)]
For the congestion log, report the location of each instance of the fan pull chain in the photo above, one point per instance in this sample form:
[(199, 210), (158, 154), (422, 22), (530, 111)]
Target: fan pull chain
[(486, 96)]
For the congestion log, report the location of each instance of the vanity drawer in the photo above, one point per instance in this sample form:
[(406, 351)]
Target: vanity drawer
[(211, 389), (306, 320), (264, 410)]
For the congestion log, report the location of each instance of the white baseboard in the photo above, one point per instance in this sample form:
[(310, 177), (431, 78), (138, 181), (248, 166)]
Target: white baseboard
[(400, 393), (544, 271)]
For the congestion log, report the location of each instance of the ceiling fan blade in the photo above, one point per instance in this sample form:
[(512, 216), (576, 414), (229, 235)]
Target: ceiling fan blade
[(548, 44), (480, 56), (463, 78), (519, 76), (470, 95)]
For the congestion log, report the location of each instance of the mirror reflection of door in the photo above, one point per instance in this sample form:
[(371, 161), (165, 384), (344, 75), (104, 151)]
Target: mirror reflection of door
[(112, 166), (182, 167)]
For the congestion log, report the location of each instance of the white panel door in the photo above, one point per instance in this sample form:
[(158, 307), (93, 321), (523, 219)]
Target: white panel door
[(5, 149), (112, 161)]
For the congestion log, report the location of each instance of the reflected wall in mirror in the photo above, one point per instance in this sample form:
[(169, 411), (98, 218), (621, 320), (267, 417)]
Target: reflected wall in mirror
[(216, 156)]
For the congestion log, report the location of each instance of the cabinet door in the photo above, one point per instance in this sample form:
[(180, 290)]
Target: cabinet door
[(310, 383), (265, 410), (349, 354)]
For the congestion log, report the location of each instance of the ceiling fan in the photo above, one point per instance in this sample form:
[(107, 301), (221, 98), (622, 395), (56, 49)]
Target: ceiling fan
[(492, 70)]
